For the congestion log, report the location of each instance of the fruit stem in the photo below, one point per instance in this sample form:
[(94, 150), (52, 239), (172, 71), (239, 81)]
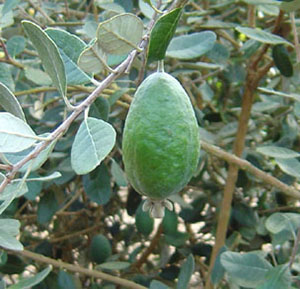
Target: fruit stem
[(160, 66)]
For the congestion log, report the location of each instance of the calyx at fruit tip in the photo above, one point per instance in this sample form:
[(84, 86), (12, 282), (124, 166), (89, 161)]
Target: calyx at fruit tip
[(157, 208)]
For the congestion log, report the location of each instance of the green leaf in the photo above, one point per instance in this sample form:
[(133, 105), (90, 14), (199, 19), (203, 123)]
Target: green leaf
[(47, 207), (192, 45), (15, 135), (92, 59), (37, 76), (248, 270), (97, 185), (176, 239), (9, 228), (93, 142), (6, 76), (186, 273), (15, 188), (65, 280), (49, 55), (70, 47), (28, 283), (289, 166), (158, 285), (9, 5), (277, 152), (10, 103), (15, 45), (162, 34), (100, 108), (50, 177), (290, 6), (116, 36), (218, 270), (9, 242), (34, 164), (281, 221), (118, 174), (117, 265), (262, 36), (277, 278), (7, 18)]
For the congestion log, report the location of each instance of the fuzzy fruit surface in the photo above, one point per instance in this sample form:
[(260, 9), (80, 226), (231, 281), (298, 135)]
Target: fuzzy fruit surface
[(161, 144)]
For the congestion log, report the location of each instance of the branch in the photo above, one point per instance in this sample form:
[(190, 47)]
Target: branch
[(78, 269), (60, 130), (247, 166)]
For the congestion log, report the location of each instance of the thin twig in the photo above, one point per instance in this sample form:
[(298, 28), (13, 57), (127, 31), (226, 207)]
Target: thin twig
[(78, 269), (295, 249), (247, 166), (296, 38), (5, 167)]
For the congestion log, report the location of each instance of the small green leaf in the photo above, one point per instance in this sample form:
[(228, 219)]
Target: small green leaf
[(92, 59), (289, 166), (117, 265), (93, 142), (277, 152), (70, 47), (218, 270), (15, 135), (28, 283), (49, 55), (100, 108), (162, 34), (186, 273), (192, 45), (47, 207), (9, 228), (34, 164), (281, 221), (37, 76), (118, 174), (50, 177), (97, 185), (6, 76), (277, 278), (65, 280), (10, 103), (15, 45), (248, 270), (262, 36), (116, 36), (9, 5), (158, 285)]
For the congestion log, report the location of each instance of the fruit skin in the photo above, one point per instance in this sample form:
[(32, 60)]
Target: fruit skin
[(100, 249), (161, 143)]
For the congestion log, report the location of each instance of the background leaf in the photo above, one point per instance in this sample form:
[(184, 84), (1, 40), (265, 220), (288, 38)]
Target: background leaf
[(49, 55), (262, 36), (10, 103), (192, 45), (289, 166), (277, 152), (185, 274)]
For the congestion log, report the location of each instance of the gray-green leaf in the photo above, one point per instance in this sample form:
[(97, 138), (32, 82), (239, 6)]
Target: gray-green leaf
[(15, 134), (192, 45), (248, 270), (49, 55), (281, 221), (277, 152), (92, 59), (289, 166), (31, 281), (262, 36), (120, 34), (186, 272), (10, 103), (93, 142)]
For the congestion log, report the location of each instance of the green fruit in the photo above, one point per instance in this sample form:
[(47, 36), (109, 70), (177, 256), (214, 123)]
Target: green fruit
[(100, 249), (282, 60), (144, 223), (161, 144), (170, 222)]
